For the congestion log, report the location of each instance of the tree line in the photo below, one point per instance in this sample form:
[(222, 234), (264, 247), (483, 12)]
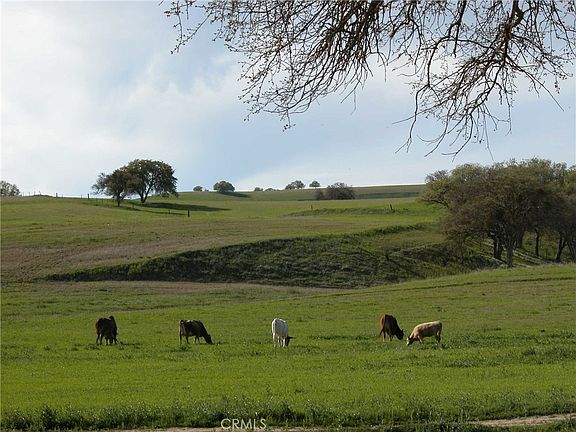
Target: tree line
[(507, 201)]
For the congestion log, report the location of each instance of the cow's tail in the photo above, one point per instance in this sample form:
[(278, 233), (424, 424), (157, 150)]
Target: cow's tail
[(382, 320)]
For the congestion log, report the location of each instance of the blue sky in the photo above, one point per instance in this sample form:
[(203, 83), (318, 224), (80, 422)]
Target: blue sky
[(89, 86)]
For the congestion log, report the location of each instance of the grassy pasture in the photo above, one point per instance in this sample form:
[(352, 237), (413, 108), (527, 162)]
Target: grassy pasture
[(509, 339), (508, 349), (42, 234)]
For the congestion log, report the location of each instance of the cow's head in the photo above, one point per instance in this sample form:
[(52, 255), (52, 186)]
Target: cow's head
[(288, 339), (400, 334), (409, 340), (208, 338)]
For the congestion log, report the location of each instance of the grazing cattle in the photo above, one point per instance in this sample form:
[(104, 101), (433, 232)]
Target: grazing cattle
[(106, 328), (280, 332), (425, 330), (194, 328), (389, 326)]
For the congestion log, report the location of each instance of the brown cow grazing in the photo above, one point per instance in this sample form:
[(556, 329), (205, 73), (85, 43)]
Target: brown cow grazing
[(106, 328), (194, 328), (425, 330), (389, 326)]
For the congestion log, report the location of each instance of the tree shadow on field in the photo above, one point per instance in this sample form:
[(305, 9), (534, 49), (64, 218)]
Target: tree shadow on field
[(235, 194), (183, 207)]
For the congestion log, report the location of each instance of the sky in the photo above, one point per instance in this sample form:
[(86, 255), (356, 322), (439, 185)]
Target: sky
[(86, 87)]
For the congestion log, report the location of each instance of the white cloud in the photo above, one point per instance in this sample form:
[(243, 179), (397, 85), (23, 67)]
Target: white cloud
[(89, 86)]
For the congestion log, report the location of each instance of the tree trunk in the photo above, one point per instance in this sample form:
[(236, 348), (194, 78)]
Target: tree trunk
[(520, 241), (497, 249), (510, 257), (510, 243), (572, 249), (537, 247), (561, 245)]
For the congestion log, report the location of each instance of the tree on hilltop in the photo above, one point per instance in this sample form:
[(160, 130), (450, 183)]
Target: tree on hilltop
[(296, 184), (336, 191), (462, 58), (8, 189), (117, 185), (223, 187), (151, 176), (139, 177)]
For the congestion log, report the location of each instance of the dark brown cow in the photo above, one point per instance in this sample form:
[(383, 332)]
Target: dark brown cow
[(389, 326), (194, 328), (106, 328)]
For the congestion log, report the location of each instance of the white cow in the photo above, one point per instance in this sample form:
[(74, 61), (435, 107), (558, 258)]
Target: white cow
[(280, 332), (423, 330)]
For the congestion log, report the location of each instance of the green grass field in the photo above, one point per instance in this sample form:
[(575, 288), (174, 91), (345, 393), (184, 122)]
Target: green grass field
[(508, 349), (42, 235), (508, 345)]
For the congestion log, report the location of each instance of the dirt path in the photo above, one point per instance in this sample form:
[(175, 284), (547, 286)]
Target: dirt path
[(519, 421), (528, 421)]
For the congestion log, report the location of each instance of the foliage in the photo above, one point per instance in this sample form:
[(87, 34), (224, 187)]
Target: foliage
[(198, 189), (8, 189), (139, 177), (117, 185), (223, 186), (314, 184), (505, 201), (151, 176), (461, 56), (336, 191), (296, 184)]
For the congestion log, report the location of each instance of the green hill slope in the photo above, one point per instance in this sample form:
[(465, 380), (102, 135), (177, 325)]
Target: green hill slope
[(363, 259), (277, 237)]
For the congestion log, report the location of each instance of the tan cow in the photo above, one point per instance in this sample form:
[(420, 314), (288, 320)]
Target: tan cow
[(423, 330)]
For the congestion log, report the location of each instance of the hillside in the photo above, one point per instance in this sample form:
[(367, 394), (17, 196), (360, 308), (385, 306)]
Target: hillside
[(279, 237)]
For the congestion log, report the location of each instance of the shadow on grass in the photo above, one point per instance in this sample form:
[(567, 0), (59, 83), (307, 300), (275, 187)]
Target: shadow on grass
[(235, 194), (183, 207)]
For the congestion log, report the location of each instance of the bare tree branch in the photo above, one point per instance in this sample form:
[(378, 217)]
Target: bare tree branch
[(464, 56)]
